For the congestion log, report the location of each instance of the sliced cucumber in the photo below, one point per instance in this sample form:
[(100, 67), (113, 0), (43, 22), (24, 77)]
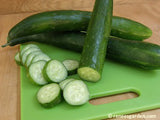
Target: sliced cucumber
[(35, 73), (40, 57), (27, 47), (65, 82), (76, 93), (49, 95), (89, 74), (71, 66), (17, 59), (30, 57), (54, 71), (27, 52)]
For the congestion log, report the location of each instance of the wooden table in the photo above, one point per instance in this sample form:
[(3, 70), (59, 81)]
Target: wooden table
[(11, 12)]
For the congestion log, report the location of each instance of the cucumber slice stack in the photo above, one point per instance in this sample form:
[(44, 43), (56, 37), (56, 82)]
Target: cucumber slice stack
[(17, 58), (31, 53), (27, 52), (30, 57), (42, 70)]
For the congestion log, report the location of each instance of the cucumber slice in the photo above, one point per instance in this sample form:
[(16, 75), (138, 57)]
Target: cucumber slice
[(17, 59), (71, 66), (35, 73), (27, 52), (27, 47), (54, 71), (30, 57), (65, 82), (40, 57), (76, 93), (49, 95)]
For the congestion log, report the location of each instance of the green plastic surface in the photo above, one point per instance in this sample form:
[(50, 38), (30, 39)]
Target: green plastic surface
[(116, 79)]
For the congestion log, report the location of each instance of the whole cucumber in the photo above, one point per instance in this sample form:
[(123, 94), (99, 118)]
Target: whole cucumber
[(96, 41), (135, 53), (74, 20)]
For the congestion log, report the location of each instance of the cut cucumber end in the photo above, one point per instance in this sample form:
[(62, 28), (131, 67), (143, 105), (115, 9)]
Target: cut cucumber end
[(89, 74), (49, 95)]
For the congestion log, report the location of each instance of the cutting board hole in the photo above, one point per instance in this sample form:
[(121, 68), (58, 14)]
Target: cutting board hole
[(113, 98)]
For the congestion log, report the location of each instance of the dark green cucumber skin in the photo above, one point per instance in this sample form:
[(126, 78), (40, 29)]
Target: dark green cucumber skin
[(72, 20), (136, 53), (95, 45), (128, 29), (68, 20), (140, 54)]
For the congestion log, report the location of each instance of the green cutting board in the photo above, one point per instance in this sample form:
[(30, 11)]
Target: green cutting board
[(116, 78)]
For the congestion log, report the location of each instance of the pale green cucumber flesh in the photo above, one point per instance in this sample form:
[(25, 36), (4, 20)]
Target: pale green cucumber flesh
[(27, 47), (89, 74), (65, 82), (35, 73), (40, 57), (49, 95), (27, 52), (17, 59), (71, 66), (55, 71), (31, 56), (76, 93)]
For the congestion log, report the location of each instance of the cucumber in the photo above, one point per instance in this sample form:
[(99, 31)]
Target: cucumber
[(27, 47), (140, 54), (65, 82), (35, 73), (31, 56), (49, 95), (129, 29), (94, 50), (74, 41), (54, 71), (76, 93), (72, 20), (71, 66), (40, 57), (17, 58), (27, 52), (50, 21)]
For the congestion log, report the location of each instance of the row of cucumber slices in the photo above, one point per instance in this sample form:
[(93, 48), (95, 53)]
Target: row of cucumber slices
[(43, 70)]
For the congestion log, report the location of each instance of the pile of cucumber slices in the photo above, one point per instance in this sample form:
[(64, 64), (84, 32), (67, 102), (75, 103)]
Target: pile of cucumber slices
[(52, 74)]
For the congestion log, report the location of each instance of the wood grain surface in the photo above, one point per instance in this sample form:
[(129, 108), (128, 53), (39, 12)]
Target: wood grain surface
[(22, 6), (12, 11)]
